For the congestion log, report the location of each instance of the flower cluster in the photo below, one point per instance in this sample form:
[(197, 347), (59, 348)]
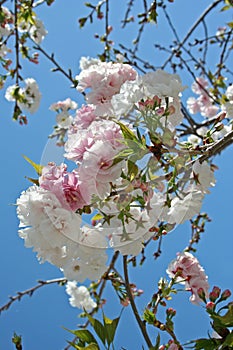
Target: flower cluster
[(228, 105), (204, 104), (79, 296), (186, 269), (133, 183), (28, 97)]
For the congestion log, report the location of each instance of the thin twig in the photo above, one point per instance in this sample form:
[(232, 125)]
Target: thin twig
[(191, 30), (58, 67), (31, 291), (129, 6), (133, 305)]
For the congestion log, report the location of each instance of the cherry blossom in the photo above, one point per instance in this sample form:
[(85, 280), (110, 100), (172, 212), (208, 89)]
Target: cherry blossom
[(187, 270), (79, 296)]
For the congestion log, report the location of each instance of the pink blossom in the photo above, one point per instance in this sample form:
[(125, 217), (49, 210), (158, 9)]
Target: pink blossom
[(64, 105), (187, 270), (63, 184), (204, 103), (105, 80), (193, 105), (199, 85), (96, 170), (83, 118), (81, 142)]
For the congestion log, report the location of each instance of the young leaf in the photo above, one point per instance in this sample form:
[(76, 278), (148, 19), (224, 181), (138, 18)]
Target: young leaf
[(91, 346), (206, 344), (84, 334), (38, 168), (98, 327), (34, 181), (110, 327), (156, 347), (226, 320), (128, 134)]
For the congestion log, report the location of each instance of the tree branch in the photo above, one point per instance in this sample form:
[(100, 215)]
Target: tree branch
[(133, 305), (30, 291), (191, 30), (57, 65)]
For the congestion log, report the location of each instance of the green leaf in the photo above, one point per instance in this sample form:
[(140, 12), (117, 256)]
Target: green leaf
[(98, 327), (230, 24), (206, 344), (149, 316), (110, 327), (127, 133), (97, 217), (34, 181), (226, 320), (124, 153), (91, 346), (83, 334), (156, 347), (38, 168), (132, 169), (228, 341), (17, 341)]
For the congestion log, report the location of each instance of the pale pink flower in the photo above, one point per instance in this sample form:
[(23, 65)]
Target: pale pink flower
[(229, 92), (193, 105), (203, 175), (104, 130), (199, 85), (162, 84), (63, 106), (105, 80), (188, 271), (83, 118), (65, 185), (204, 103), (45, 225), (96, 170)]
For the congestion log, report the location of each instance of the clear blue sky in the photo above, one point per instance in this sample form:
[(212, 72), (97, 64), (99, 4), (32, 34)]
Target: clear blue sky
[(40, 319)]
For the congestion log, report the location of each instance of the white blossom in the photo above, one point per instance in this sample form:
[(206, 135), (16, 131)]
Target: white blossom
[(203, 176), (37, 31), (185, 208), (79, 296)]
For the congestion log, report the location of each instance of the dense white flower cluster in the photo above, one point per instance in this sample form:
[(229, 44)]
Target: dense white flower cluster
[(133, 187), (80, 296)]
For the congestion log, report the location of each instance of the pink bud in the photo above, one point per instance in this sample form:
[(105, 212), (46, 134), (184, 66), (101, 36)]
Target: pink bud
[(201, 294), (214, 294), (210, 306), (225, 294), (171, 312)]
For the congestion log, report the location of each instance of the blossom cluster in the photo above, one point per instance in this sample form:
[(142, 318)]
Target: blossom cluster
[(132, 182), (79, 296), (24, 25), (28, 97), (186, 269), (204, 104)]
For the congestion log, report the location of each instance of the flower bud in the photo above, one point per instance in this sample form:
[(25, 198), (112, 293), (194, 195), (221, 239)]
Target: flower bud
[(171, 312), (225, 294), (214, 294), (210, 306), (201, 294)]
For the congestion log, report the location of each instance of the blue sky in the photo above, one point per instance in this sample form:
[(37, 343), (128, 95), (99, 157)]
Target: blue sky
[(40, 319)]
